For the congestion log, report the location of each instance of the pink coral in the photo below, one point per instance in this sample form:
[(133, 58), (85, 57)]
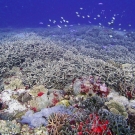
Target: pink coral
[(86, 85)]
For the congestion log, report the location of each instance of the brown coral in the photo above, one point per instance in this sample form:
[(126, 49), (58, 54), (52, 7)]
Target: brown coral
[(56, 122)]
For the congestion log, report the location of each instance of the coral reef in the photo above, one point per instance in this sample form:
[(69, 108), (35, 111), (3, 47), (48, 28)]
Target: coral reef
[(61, 81), (52, 62)]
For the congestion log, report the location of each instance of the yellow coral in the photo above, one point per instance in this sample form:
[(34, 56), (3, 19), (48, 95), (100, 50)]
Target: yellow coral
[(64, 102), (14, 83)]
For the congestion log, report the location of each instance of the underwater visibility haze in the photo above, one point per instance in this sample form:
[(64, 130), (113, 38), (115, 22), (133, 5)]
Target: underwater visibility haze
[(67, 67)]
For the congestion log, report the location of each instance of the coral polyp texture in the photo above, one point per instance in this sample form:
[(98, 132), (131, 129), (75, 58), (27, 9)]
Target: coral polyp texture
[(56, 82)]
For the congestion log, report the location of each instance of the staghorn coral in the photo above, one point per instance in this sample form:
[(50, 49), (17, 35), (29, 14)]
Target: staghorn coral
[(54, 63), (94, 125), (91, 124), (56, 122), (36, 72), (68, 131)]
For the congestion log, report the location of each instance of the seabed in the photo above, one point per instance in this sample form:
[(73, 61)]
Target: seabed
[(78, 80)]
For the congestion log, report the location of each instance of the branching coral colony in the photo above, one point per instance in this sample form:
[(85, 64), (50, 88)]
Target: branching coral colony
[(87, 113), (56, 122)]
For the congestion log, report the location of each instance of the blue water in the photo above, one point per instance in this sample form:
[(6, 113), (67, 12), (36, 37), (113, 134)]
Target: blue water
[(36, 13)]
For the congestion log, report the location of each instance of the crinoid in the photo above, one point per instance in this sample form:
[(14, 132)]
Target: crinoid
[(55, 123)]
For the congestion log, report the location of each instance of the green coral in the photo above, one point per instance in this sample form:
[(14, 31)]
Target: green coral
[(116, 108)]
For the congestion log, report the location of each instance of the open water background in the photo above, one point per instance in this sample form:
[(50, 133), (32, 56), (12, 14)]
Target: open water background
[(36, 13)]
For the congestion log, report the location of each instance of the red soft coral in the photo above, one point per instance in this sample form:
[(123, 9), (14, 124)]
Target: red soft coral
[(40, 94), (98, 126), (34, 109)]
